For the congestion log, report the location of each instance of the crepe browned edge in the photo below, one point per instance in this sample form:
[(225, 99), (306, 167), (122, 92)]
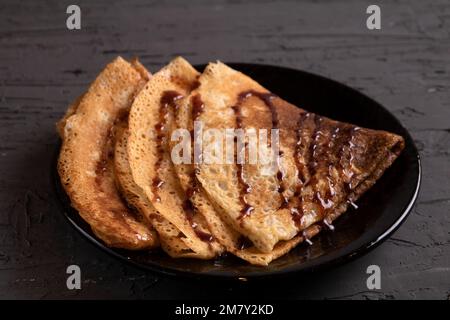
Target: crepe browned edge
[(85, 162), (144, 147), (385, 151)]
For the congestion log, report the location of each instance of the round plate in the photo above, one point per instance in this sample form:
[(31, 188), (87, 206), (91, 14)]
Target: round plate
[(381, 209)]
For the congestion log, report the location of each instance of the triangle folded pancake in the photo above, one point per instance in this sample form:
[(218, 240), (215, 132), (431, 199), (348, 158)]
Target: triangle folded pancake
[(150, 123), (85, 163), (233, 241), (322, 165), (119, 167)]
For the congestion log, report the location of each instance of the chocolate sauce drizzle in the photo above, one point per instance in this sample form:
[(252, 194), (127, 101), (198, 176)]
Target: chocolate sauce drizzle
[(348, 133), (297, 211), (190, 211), (197, 107), (243, 185), (168, 100), (320, 160), (267, 98), (108, 150), (320, 149), (189, 208)]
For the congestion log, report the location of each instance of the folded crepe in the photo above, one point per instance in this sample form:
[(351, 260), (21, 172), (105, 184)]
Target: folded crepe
[(122, 176), (85, 163), (234, 242), (322, 165), (150, 124)]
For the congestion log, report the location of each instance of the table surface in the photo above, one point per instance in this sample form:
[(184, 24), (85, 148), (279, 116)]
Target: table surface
[(43, 66)]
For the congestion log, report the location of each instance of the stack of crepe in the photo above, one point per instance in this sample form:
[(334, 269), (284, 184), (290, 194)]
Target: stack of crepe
[(117, 166)]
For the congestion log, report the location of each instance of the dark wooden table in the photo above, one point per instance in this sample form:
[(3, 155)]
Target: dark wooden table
[(44, 66)]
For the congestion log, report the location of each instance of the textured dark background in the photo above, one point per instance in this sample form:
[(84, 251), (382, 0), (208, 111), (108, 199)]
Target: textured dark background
[(44, 66)]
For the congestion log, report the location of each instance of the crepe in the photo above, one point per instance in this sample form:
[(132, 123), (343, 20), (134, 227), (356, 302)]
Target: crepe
[(85, 163), (120, 163), (150, 124), (233, 241), (321, 167)]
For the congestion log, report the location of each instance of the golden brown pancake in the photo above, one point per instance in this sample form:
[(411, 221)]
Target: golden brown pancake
[(233, 241), (117, 166), (150, 123), (322, 166), (85, 162)]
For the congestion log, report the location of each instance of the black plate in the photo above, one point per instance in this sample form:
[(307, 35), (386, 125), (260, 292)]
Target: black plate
[(381, 210)]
